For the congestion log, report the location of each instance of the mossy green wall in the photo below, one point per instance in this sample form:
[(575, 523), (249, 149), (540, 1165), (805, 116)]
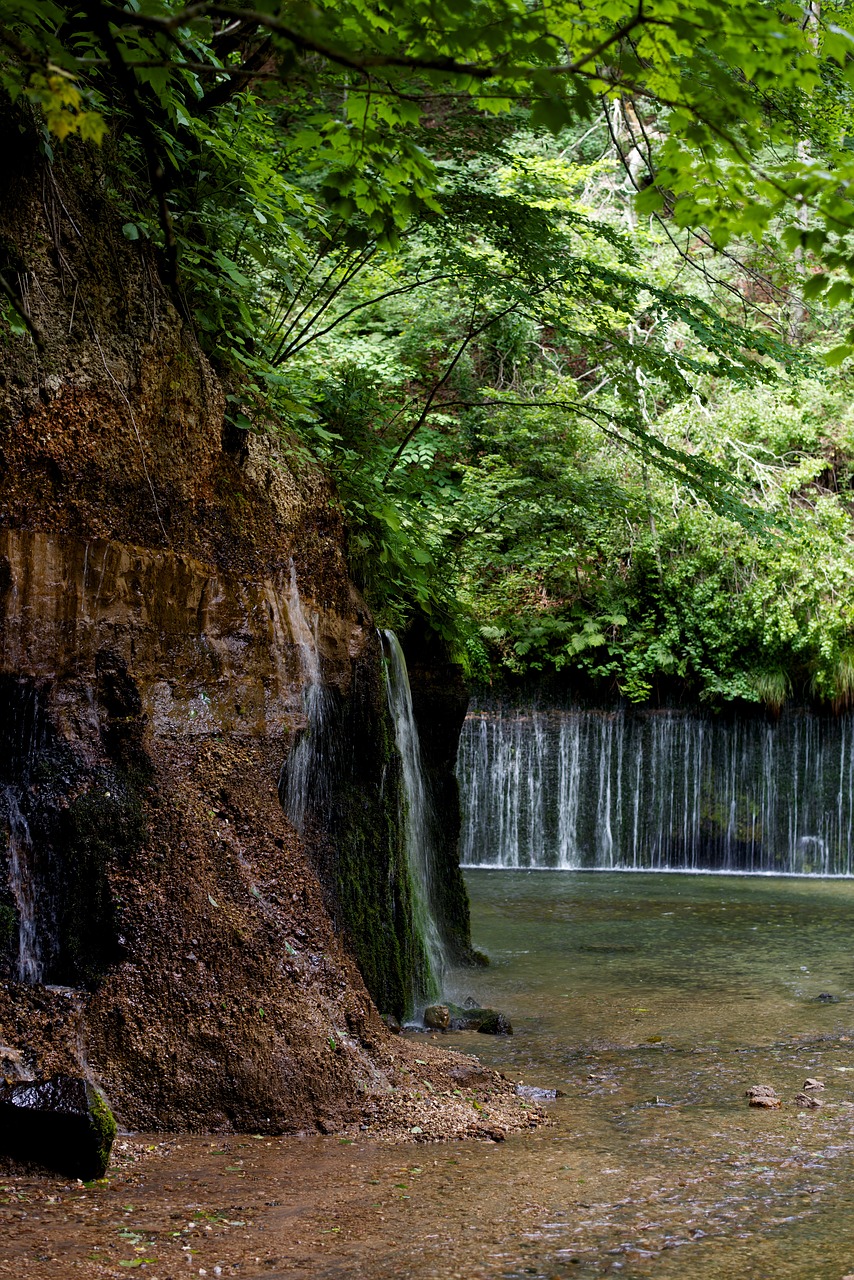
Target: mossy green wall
[(356, 839)]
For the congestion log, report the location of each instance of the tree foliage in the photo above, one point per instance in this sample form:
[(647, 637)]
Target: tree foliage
[(488, 259)]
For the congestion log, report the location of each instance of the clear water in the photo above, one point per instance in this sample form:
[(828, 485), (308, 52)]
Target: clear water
[(653, 1002)]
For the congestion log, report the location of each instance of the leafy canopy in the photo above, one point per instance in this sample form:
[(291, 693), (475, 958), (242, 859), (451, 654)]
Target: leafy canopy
[(369, 214), (742, 83)]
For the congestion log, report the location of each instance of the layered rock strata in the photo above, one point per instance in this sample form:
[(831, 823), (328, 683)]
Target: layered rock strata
[(164, 929)]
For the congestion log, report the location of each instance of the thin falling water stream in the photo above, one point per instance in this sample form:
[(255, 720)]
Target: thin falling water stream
[(20, 745), (21, 882), (305, 776), (417, 821)]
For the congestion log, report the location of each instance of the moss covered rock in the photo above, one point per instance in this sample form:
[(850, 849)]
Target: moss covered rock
[(62, 1124)]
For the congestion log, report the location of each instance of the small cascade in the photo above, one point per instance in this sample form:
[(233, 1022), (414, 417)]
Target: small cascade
[(570, 788), (418, 821), (21, 735), (29, 964), (306, 771)]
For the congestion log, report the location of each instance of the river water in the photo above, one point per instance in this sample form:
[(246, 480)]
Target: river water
[(652, 1001)]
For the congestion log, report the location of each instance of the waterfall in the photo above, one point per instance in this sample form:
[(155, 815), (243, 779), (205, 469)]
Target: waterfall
[(29, 965), (322, 785), (21, 734), (418, 819), (306, 771), (571, 788)]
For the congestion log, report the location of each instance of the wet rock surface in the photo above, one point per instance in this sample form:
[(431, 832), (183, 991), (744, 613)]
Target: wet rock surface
[(534, 1094), (207, 961), (437, 1017), (763, 1096), (439, 701), (489, 1022), (61, 1124), (495, 1024)]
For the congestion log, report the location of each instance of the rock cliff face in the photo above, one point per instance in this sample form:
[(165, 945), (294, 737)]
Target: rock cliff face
[(187, 949)]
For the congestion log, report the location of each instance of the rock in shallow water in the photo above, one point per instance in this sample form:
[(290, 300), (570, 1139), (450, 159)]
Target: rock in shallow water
[(495, 1024), (62, 1123), (533, 1094), (437, 1017), (762, 1095), (470, 1017)]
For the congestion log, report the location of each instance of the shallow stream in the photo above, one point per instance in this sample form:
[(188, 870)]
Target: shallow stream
[(652, 1001)]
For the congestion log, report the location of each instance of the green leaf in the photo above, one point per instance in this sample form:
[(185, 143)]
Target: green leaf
[(815, 285)]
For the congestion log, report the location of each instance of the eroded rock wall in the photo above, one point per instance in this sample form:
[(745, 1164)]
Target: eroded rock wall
[(151, 684)]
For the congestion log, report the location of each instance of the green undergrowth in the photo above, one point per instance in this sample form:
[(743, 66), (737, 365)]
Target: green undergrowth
[(650, 587)]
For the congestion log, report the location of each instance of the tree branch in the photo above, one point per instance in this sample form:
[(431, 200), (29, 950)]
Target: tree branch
[(298, 343), (367, 62), (128, 85), (22, 313)]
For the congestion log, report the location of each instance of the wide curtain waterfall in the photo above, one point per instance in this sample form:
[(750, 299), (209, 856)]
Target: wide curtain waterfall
[(575, 788)]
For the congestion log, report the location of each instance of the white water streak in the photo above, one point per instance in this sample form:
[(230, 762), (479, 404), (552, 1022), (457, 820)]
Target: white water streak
[(305, 775), (657, 790), (21, 882), (419, 821)]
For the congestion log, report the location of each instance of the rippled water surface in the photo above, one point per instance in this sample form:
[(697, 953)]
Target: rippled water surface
[(653, 1002)]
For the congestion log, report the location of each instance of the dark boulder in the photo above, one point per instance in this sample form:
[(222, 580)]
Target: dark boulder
[(495, 1024), (62, 1124), (488, 1021), (437, 1017)]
